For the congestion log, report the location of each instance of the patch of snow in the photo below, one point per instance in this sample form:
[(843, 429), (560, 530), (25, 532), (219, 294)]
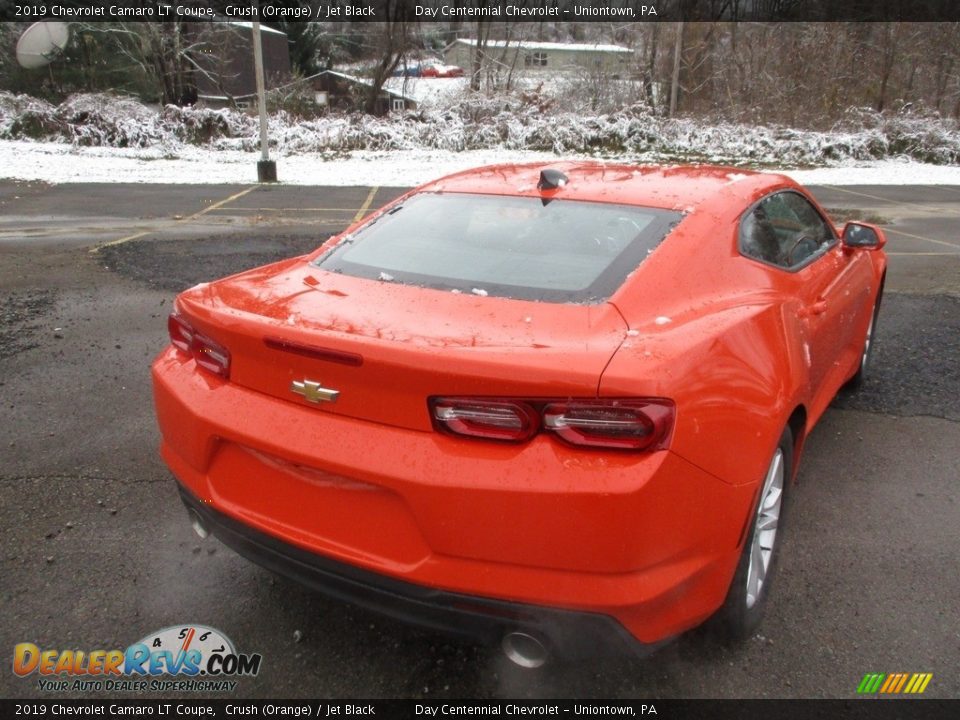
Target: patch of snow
[(883, 172), (386, 277), (479, 291), (61, 163), (663, 320), (428, 92)]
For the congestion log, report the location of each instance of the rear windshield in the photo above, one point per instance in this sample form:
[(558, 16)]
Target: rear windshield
[(515, 247)]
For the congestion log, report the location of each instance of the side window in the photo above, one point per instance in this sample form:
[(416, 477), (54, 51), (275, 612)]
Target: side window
[(536, 59), (784, 229)]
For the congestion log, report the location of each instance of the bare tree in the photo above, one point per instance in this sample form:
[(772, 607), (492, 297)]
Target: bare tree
[(675, 75), (393, 42), (171, 54)]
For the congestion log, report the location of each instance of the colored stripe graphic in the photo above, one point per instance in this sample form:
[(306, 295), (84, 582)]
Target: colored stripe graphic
[(890, 682), (912, 683), (922, 684), (870, 683)]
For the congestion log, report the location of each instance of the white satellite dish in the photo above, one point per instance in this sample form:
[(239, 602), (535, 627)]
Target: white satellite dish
[(41, 43)]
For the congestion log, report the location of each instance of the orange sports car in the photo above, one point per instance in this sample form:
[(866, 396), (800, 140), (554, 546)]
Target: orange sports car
[(548, 406)]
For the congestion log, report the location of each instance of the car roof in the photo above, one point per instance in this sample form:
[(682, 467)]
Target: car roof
[(682, 187)]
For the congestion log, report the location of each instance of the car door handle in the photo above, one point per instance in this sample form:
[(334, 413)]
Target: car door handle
[(817, 308)]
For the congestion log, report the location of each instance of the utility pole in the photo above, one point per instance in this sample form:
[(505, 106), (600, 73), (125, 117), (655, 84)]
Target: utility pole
[(266, 168)]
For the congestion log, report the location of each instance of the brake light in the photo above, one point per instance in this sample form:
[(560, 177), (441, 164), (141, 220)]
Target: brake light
[(181, 334), (491, 419), (627, 425), (208, 354), (620, 424)]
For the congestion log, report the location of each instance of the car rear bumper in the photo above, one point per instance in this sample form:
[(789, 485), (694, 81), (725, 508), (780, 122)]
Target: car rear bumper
[(476, 618), (648, 540)]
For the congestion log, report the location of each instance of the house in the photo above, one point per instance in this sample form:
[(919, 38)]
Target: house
[(224, 68), (543, 57), (428, 92), (340, 91)]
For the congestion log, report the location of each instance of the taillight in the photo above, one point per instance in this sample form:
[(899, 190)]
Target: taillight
[(627, 424), (620, 424), (208, 354), (181, 334), (491, 419)]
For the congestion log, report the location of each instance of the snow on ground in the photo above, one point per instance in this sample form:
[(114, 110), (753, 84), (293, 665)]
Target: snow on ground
[(62, 163)]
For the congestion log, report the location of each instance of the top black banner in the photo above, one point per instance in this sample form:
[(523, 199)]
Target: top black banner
[(483, 10)]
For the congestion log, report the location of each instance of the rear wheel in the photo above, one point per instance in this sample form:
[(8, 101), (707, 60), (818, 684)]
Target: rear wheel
[(747, 597)]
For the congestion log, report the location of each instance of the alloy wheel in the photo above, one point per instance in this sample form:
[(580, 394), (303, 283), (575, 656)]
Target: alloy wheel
[(765, 528)]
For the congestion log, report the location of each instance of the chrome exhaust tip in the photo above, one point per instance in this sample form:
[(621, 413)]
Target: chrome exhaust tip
[(524, 650), (198, 527)]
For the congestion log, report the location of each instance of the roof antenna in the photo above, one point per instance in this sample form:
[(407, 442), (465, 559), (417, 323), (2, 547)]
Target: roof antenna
[(551, 179)]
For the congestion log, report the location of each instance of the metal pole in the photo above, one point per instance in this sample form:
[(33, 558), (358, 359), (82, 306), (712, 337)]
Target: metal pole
[(266, 169)]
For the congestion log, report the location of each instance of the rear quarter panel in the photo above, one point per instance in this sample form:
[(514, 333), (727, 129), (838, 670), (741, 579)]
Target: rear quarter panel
[(735, 375)]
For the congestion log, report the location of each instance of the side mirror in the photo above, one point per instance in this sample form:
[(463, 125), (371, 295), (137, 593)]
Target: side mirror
[(863, 235)]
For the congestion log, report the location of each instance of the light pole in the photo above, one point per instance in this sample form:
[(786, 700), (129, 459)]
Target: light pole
[(266, 168)]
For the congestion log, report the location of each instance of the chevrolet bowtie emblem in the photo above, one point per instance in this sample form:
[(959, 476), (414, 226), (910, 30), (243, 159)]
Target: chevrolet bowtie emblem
[(313, 391)]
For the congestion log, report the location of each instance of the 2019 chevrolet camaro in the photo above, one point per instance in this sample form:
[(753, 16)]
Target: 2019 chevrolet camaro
[(553, 406)]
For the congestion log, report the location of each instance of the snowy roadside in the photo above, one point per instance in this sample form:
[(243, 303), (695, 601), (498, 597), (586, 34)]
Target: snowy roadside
[(63, 163)]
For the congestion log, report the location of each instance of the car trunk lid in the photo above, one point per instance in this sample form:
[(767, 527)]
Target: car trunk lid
[(301, 334)]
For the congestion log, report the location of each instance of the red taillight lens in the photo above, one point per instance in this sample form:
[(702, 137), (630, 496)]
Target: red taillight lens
[(626, 425), (620, 424), (209, 354), (181, 334), (491, 419)]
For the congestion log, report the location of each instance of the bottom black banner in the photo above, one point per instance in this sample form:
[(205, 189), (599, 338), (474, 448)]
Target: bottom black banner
[(900, 709)]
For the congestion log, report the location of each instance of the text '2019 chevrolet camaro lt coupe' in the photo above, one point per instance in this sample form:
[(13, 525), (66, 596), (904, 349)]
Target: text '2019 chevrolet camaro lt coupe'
[(550, 406)]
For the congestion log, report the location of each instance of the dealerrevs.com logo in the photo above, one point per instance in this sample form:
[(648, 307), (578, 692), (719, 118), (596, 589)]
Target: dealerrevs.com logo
[(180, 658)]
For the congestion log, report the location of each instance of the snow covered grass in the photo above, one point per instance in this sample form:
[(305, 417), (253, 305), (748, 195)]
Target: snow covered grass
[(101, 138), (519, 122)]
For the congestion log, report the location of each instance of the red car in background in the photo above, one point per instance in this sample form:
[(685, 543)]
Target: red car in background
[(439, 70), (428, 69), (545, 406)]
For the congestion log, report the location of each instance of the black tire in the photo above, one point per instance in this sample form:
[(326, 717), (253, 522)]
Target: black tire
[(745, 604), (856, 382)]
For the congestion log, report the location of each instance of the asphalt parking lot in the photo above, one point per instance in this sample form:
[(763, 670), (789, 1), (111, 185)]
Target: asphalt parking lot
[(98, 551)]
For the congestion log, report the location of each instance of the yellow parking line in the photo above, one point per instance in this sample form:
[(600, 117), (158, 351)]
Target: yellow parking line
[(366, 204), (200, 213), (96, 248), (223, 202), (285, 210)]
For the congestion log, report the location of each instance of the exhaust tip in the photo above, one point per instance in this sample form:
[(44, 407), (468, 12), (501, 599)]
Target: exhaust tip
[(198, 527), (524, 650)]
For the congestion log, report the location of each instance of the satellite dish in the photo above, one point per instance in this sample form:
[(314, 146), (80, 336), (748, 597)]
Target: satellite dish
[(41, 43)]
